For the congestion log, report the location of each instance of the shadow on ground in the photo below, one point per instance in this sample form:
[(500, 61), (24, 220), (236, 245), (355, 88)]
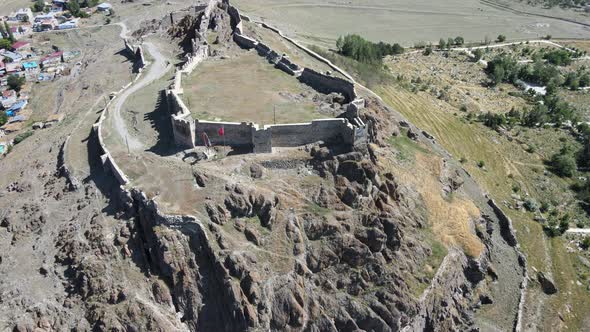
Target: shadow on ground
[(159, 119)]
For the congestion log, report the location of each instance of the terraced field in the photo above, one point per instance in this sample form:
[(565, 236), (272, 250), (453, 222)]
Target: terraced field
[(406, 22)]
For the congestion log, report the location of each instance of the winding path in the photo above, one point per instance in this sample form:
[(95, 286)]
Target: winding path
[(157, 69)]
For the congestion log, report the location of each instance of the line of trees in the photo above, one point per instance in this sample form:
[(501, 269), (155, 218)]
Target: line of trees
[(362, 50)]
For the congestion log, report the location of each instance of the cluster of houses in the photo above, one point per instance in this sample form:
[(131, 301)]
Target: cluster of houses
[(25, 62), (55, 16), (33, 64)]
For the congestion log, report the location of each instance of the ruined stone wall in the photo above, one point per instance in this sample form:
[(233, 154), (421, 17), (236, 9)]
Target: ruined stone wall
[(107, 160), (248, 134), (236, 134), (236, 19), (285, 64), (183, 127), (62, 167), (297, 134), (328, 84), (245, 41), (136, 52)]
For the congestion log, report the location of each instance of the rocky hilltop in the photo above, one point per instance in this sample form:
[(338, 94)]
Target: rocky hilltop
[(391, 236)]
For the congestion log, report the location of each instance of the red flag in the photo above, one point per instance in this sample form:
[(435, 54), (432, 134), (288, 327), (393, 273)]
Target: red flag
[(221, 131)]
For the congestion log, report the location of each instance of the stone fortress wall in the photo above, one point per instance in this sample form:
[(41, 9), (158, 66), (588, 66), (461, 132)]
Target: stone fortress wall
[(188, 132), (135, 51)]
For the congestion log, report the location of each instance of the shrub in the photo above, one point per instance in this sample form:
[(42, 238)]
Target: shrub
[(530, 205), (427, 51), (481, 164), (21, 137), (3, 118), (585, 244)]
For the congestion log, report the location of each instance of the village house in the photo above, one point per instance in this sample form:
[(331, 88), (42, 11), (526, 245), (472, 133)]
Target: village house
[(43, 17), (13, 68), (2, 68), (52, 59), (19, 31), (103, 7), (32, 70), (71, 24), (8, 98), (21, 15), (13, 56), (19, 46)]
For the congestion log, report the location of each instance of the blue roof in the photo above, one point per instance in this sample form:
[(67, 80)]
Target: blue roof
[(10, 113), (29, 65), (17, 106)]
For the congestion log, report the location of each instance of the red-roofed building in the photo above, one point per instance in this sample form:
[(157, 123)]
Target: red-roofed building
[(19, 45), (52, 59)]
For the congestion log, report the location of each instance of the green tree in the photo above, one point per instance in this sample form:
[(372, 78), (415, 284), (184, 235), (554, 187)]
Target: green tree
[(477, 54), (3, 118), (427, 51), (38, 6), (9, 32), (73, 6), (501, 38), (563, 163), (442, 44), (450, 42), (459, 41), (5, 44), (15, 82)]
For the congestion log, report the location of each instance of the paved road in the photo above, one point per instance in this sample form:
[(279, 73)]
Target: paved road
[(157, 69)]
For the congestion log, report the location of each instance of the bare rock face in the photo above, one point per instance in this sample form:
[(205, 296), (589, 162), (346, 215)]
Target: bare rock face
[(547, 283), (244, 203), (256, 171)]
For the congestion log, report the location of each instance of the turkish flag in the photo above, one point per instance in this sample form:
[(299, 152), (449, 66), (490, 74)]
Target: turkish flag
[(221, 131)]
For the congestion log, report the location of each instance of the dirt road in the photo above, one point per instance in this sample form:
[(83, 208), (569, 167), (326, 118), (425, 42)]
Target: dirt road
[(157, 69)]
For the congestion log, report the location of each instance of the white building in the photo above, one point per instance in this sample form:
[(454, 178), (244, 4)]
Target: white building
[(22, 15)]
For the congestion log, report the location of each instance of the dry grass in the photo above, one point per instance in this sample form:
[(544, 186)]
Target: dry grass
[(503, 158), (402, 21), (246, 88), (450, 219)]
